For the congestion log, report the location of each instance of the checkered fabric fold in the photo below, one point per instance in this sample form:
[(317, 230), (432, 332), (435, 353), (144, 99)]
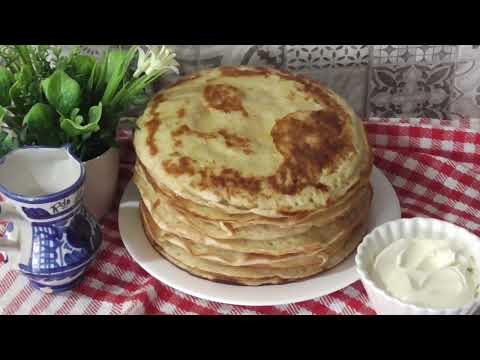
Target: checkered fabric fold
[(433, 165)]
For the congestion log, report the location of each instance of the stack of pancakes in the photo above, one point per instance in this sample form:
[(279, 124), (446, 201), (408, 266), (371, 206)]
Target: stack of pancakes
[(252, 176)]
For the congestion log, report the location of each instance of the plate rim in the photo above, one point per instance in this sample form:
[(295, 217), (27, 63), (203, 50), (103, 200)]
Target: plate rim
[(351, 272)]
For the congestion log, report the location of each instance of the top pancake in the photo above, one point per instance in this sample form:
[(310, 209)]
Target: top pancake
[(253, 140)]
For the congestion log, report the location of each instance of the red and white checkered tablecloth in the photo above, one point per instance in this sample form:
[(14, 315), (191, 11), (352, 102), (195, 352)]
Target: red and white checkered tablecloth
[(433, 165)]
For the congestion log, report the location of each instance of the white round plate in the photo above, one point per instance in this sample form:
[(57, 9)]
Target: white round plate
[(385, 207)]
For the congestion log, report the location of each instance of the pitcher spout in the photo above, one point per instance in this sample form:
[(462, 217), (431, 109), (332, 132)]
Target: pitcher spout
[(36, 174), (70, 149)]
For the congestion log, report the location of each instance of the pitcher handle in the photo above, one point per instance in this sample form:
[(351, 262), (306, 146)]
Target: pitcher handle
[(10, 237)]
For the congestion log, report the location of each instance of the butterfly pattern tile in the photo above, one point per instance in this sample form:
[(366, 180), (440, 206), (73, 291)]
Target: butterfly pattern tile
[(466, 97), (412, 90)]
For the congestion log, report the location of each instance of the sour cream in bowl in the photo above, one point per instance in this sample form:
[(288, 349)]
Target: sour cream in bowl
[(421, 266)]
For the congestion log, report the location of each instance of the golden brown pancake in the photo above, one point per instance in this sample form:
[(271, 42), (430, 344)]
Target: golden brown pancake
[(250, 140), (245, 275), (321, 248), (252, 176), (254, 236)]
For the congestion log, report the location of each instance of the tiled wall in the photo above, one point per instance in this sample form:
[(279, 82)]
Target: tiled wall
[(440, 81)]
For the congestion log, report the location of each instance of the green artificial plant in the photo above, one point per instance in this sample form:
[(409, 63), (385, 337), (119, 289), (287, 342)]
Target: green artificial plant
[(47, 98)]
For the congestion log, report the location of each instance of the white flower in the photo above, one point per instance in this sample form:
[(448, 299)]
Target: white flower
[(143, 63), (157, 59)]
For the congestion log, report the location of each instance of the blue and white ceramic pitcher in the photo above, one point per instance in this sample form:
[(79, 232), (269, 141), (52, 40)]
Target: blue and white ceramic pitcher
[(45, 231)]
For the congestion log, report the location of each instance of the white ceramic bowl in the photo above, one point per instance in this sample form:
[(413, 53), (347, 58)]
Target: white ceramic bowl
[(383, 235)]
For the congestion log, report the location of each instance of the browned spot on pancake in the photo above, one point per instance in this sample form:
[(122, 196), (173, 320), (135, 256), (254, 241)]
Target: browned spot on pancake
[(316, 91), (291, 95), (181, 112), (296, 213), (152, 127), (184, 166), (225, 98), (157, 99), (177, 143), (321, 187), (236, 72), (156, 204), (185, 130), (321, 95), (309, 143), (229, 180), (155, 186), (232, 140)]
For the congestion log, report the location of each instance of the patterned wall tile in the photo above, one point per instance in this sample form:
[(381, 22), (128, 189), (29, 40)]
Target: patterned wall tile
[(95, 50), (466, 52), (265, 55), (210, 56), (408, 54), (316, 57), (187, 56), (343, 68), (378, 80), (466, 102), (254, 55), (414, 90)]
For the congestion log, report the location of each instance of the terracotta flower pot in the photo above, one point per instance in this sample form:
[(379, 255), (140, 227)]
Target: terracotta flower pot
[(101, 182)]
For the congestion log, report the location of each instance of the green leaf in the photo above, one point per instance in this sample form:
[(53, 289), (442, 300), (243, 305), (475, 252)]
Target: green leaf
[(15, 93), (24, 52), (6, 82), (91, 85), (62, 92), (115, 59), (8, 144), (95, 114), (73, 129), (140, 99), (3, 135), (78, 119), (96, 82), (82, 66), (20, 92), (41, 124), (118, 75), (34, 92), (3, 112), (132, 92), (40, 116), (101, 76), (74, 113)]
